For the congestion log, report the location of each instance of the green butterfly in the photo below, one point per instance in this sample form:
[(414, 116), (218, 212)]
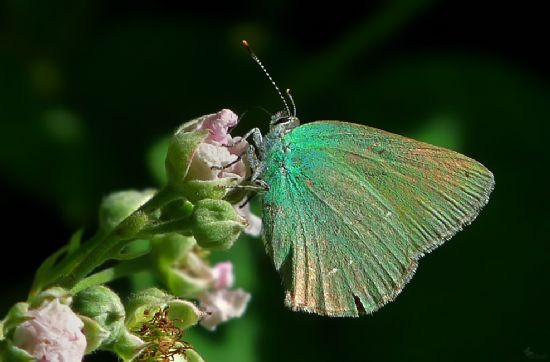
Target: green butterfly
[(348, 210)]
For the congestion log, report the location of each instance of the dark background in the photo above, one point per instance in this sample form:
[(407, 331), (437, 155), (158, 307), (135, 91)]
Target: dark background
[(89, 91)]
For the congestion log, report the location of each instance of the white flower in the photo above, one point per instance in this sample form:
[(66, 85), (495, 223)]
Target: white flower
[(222, 305), (254, 227), (53, 334)]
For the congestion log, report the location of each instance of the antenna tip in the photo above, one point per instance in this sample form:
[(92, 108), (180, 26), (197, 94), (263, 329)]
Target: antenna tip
[(245, 43)]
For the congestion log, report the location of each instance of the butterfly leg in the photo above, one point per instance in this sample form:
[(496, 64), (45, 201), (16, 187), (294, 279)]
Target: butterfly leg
[(261, 187), (256, 165), (239, 157), (257, 140), (256, 137), (256, 134)]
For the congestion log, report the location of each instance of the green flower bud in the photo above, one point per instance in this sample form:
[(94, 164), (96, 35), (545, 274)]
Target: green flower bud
[(103, 306), (216, 224), (183, 284), (177, 209), (183, 313), (119, 205), (183, 272), (189, 277)]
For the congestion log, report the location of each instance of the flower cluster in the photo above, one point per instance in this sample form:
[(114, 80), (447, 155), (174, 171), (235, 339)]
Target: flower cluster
[(70, 311)]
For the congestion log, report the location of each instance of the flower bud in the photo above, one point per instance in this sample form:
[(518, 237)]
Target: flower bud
[(103, 306), (53, 332), (183, 313), (203, 159), (189, 277), (168, 249), (170, 252), (119, 205), (216, 224)]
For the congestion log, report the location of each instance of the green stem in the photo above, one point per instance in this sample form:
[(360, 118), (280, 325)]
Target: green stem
[(121, 270), (101, 249), (161, 198), (180, 226)]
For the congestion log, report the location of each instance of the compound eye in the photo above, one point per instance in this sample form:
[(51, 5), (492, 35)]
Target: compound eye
[(282, 120)]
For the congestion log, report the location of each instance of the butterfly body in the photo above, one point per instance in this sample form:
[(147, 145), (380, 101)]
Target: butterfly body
[(348, 210)]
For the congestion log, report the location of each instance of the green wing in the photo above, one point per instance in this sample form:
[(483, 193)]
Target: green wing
[(351, 209)]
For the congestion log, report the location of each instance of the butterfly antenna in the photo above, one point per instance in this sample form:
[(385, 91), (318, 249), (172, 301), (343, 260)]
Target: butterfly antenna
[(291, 101), (257, 60), (265, 111), (239, 119)]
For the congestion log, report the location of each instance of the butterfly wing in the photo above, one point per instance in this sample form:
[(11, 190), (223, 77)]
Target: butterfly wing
[(351, 209)]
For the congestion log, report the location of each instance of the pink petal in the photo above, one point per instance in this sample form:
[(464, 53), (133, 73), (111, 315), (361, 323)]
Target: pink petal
[(219, 125), (223, 275), (222, 305)]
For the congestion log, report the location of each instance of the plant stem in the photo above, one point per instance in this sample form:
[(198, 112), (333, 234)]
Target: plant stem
[(101, 249), (121, 270)]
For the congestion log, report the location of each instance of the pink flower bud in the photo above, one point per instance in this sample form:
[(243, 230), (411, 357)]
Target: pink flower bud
[(54, 334), (218, 150)]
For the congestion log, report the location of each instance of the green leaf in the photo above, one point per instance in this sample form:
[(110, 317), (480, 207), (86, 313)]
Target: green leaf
[(74, 242)]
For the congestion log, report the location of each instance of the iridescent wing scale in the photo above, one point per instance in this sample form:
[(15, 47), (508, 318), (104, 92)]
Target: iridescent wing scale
[(351, 209)]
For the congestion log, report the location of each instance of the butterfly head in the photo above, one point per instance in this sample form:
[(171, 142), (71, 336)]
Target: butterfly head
[(282, 121)]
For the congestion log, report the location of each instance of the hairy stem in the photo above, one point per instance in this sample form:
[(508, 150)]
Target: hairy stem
[(121, 270), (102, 247)]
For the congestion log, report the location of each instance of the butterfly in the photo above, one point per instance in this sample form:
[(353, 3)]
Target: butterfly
[(348, 210)]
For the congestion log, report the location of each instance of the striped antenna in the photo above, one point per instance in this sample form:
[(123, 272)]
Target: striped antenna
[(291, 101), (257, 60)]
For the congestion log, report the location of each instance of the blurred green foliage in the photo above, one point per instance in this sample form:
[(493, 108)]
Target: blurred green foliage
[(90, 90)]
